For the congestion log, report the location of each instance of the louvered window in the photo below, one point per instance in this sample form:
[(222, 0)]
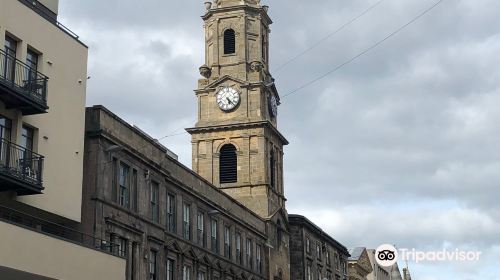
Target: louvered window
[(229, 41), (228, 164)]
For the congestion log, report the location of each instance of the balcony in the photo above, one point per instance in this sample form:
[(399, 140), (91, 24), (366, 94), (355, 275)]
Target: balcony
[(22, 87), (20, 169)]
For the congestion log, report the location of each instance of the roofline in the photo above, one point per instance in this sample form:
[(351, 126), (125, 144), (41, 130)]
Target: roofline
[(294, 218)]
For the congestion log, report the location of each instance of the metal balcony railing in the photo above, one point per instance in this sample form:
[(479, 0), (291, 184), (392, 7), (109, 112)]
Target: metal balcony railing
[(56, 230), (18, 164), (25, 82)]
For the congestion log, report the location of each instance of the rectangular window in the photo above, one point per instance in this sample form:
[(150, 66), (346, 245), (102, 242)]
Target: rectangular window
[(239, 252), (5, 128), (308, 245), (328, 260), (186, 273), (258, 253), (10, 47), (308, 272), (27, 137), (155, 210), (32, 60), (318, 251), (5, 131), (337, 265), (152, 265), (170, 269), (124, 185), (201, 275), (171, 216), (319, 274), (227, 242), (135, 194), (200, 221), (249, 256), (186, 218), (214, 238), (122, 245)]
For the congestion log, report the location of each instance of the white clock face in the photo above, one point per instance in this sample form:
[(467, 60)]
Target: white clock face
[(228, 98), (273, 106)]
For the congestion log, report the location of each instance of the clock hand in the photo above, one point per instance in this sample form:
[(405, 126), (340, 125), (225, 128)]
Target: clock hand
[(229, 100)]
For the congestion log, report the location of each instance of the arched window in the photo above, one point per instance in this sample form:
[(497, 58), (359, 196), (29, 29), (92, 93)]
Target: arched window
[(229, 41), (228, 164), (272, 166)]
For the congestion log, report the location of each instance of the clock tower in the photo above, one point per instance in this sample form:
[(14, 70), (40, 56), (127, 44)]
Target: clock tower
[(236, 143)]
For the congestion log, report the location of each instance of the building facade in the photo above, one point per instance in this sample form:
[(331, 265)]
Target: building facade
[(314, 254), (359, 264), (167, 221), (43, 71)]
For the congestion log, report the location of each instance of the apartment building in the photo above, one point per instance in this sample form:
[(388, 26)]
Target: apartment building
[(43, 71)]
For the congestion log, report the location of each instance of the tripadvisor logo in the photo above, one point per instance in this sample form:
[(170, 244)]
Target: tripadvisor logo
[(386, 255)]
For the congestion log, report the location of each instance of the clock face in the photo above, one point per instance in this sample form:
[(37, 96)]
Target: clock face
[(228, 98), (273, 106)]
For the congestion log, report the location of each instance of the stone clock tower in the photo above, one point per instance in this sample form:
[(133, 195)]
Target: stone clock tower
[(236, 142)]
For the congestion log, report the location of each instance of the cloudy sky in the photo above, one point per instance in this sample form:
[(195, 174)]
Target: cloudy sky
[(400, 146)]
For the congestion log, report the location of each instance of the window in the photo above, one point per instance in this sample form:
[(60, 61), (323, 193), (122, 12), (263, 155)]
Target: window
[(124, 185), (249, 253), (186, 273), (328, 260), (5, 129), (32, 60), (336, 259), (170, 269), (121, 247), (134, 191), (227, 242), (272, 167), (155, 210), (26, 142), (308, 272), (214, 240), (186, 218), (308, 245), (229, 41), (329, 276), (319, 274), (152, 265), (27, 137), (201, 229), (10, 58), (228, 165), (239, 252), (318, 251), (258, 253), (201, 275), (171, 216)]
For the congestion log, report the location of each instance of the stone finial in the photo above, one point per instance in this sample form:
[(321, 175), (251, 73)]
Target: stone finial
[(208, 5), (205, 71)]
